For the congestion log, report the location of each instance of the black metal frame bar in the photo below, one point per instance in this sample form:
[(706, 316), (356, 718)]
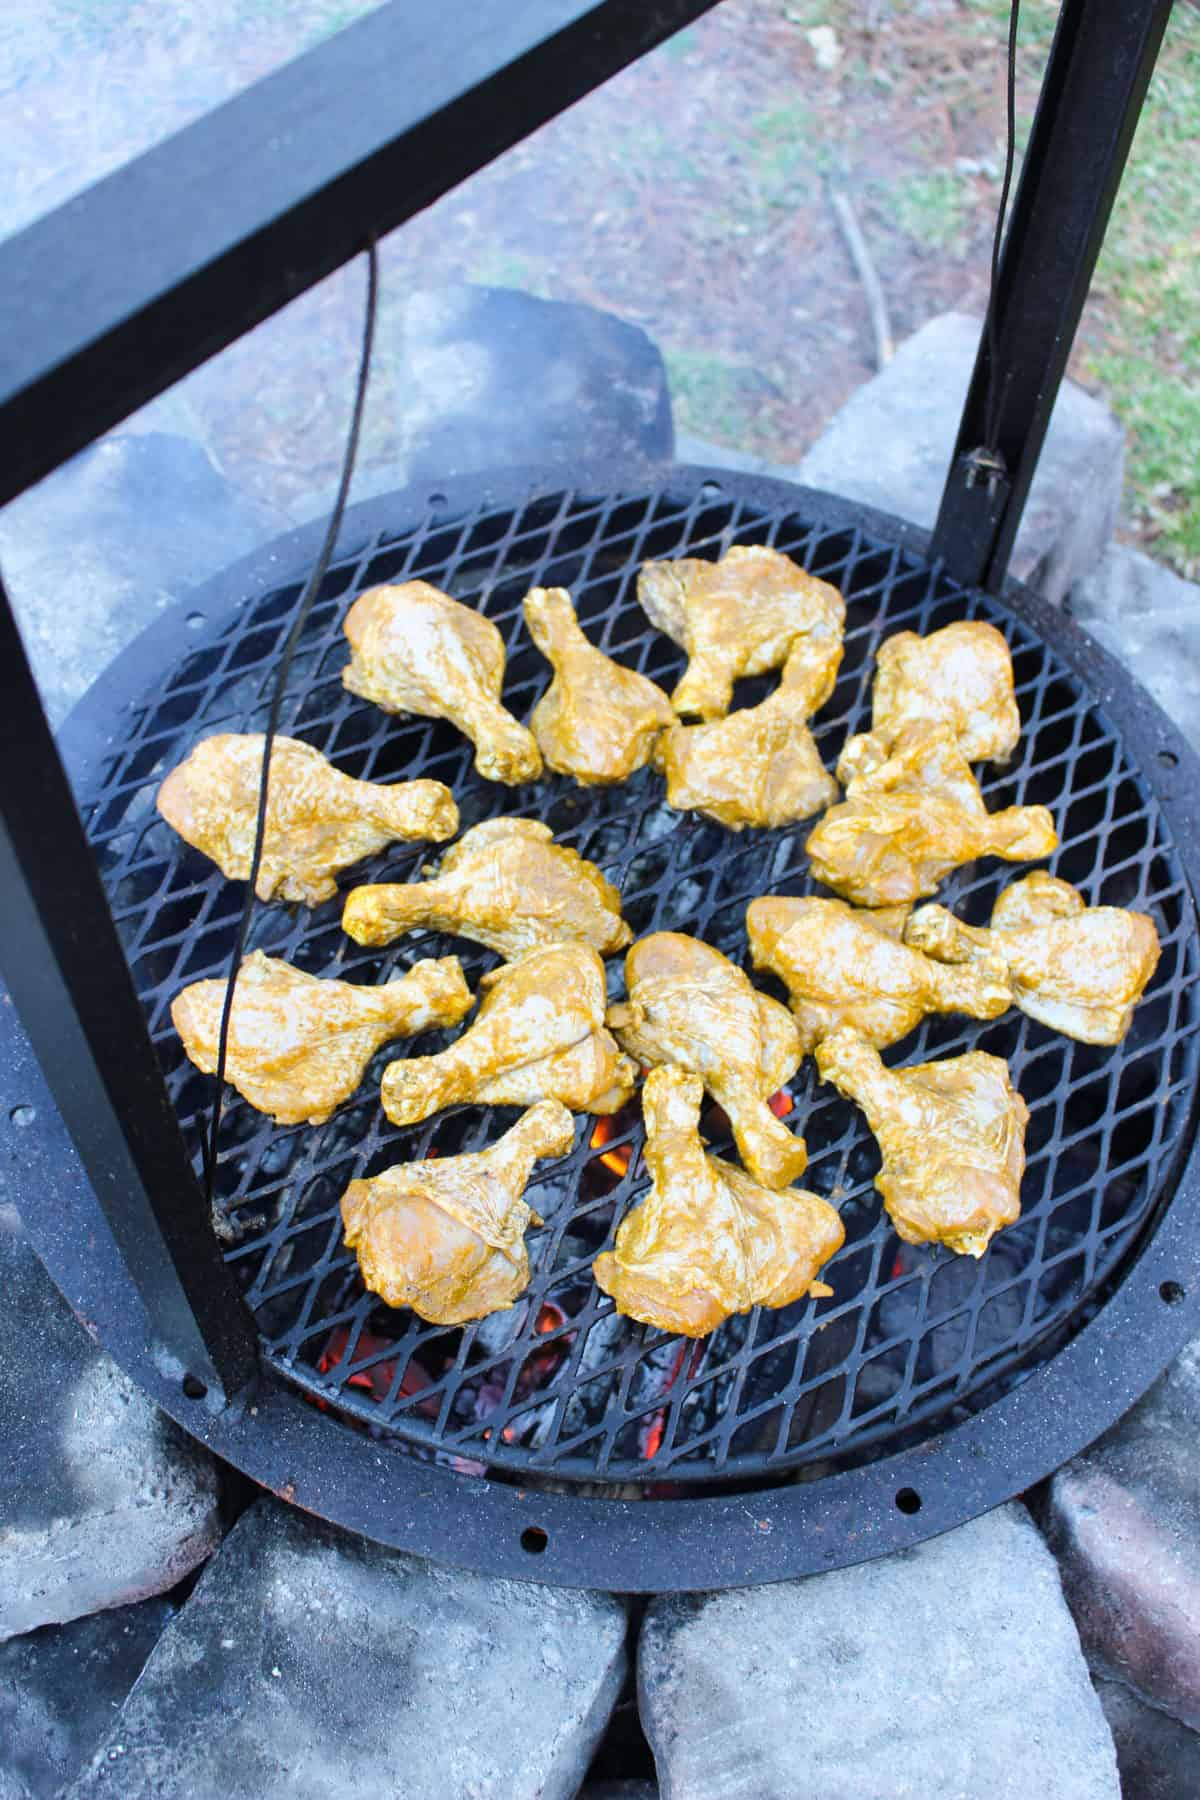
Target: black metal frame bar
[(1096, 79), (117, 294), (64, 966)]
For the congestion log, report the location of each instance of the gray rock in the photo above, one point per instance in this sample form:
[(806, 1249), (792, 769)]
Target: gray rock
[(1149, 618), (60, 1687), (952, 1670), (1124, 1522), (96, 551), (311, 1665), (890, 447), (103, 1501), (492, 377), (1159, 1759)]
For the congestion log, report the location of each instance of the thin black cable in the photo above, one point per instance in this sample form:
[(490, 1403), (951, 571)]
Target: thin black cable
[(992, 410), (299, 619)]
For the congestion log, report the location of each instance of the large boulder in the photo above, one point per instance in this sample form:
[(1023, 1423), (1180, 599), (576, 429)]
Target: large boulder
[(98, 549), (59, 1689), (103, 1501), (309, 1665), (1149, 618), (490, 377), (948, 1672), (1124, 1521), (890, 446)]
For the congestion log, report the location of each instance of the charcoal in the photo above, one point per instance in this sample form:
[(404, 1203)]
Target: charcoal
[(947, 1671), (310, 1664), (1124, 1522), (59, 1689), (103, 1501)]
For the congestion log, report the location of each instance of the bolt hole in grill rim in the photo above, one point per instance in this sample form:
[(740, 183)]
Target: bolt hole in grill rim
[(913, 1339)]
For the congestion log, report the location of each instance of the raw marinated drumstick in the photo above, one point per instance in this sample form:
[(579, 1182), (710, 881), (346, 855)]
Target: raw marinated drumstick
[(759, 766), (506, 884), (690, 1006), (905, 825), (318, 820), (707, 1241), (596, 721), (952, 1138), (448, 1237), (736, 617), (539, 1035), (298, 1045), (1077, 968), (842, 967), (415, 650), (960, 676)]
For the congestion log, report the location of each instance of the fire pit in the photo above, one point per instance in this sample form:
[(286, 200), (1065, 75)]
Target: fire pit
[(842, 1415)]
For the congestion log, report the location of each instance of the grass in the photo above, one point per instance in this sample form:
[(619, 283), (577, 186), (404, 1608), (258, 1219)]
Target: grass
[(933, 210), (710, 395)]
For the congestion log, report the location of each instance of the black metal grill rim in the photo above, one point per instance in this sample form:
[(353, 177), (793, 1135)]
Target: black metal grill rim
[(1116, 848)]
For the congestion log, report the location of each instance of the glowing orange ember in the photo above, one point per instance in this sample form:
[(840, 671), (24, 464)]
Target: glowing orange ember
[(780, 1103), (616, 1159)]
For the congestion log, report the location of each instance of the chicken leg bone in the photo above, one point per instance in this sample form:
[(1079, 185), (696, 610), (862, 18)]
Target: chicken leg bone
[(1077, 968), (447, 1237), (690, 1006), (539, 1035), (596, 721), (707, 1241), (951, 1134), (506, 884), (739, 616), (298, 1045), (415, 650), (318, 820)]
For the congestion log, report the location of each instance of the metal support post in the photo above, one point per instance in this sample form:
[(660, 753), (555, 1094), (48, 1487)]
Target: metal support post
[(1096, 79), (66, 971)]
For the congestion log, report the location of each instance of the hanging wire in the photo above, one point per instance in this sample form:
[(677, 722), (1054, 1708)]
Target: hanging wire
[(992, 409), (299, 619)]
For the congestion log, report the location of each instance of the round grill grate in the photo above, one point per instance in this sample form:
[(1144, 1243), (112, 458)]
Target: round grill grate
[(912, 1339)]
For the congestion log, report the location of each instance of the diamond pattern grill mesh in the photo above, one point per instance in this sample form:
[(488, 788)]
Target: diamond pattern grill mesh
[(912, 1338)]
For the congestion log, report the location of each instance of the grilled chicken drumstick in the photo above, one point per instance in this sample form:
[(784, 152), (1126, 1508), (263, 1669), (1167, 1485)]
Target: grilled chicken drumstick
[(539, 1035), (506, 884), (951, 1134), (960, 676), (596, 721), (905, 825), (448, 1237), (842, 967), (318, 820), (415, 650), (1079, 969), (759, 766), (690, 1006), (736, 617), (707, 1241), (298, 1045)]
